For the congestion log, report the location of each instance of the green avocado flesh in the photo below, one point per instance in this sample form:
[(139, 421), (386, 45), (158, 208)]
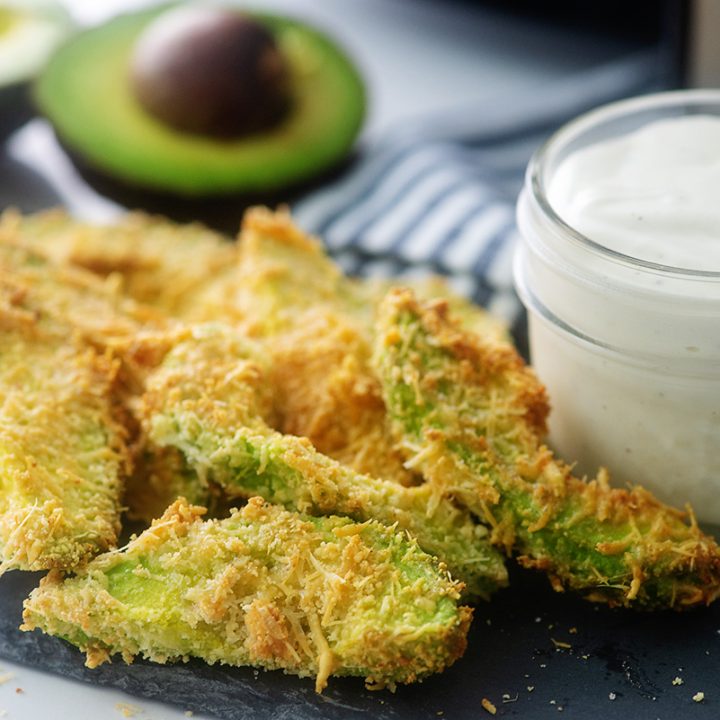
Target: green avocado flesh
[(85, 91)]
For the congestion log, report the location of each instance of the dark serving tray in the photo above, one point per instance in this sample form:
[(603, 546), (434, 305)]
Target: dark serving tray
[(533, 653)]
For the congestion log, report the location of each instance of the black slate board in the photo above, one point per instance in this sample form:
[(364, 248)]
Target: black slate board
[(630, 656)]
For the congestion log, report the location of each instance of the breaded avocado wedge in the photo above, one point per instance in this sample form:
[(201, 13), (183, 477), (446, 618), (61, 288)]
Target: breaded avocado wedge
[(267, 588), (470, 415), (62, 452)]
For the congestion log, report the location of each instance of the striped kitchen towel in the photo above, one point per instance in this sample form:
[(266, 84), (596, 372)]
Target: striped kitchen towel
[(438, 196)]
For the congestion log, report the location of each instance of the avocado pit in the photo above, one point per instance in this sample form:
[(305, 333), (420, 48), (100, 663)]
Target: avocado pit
[(210, 71)]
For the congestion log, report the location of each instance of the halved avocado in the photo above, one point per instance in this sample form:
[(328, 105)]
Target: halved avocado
[(29, 31), (87, 94)]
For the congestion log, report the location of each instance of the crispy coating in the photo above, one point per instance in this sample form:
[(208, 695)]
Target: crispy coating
[(283, 272), (71, 297), (71, 301), (317, 328), (471, 416), (156, 262), (324, 389), (264, 587), (62, 452), (315, 324), (209, 399)]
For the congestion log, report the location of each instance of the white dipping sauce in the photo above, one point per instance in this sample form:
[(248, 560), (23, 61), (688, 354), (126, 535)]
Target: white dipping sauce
[(630, 353), (653, 194)]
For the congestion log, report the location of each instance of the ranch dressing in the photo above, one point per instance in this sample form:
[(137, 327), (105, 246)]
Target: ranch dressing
[(619, 267), (653, 194)]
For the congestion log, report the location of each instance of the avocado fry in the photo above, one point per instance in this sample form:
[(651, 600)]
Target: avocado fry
[(470, 416), (62, 452), (71, 297), (283, 272), (209, 399), (267, 588), (158, 263)]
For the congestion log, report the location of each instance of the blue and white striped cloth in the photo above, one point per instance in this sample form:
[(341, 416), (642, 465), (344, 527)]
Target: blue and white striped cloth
[(439, 196)]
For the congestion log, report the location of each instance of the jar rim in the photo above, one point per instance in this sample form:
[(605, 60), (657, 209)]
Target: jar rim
[(576, 127)]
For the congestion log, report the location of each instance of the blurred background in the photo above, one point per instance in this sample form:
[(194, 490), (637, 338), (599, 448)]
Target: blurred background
[(426, 59), (459, 95)]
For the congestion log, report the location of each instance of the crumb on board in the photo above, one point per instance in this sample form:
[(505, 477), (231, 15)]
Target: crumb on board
[(19, 691), (488, 706), (127, 710), (612, 696), (6, 678), (699, 696), (678, 680), (573, 631), (560, 645), (507, 698), (530, 688), (189, 713)]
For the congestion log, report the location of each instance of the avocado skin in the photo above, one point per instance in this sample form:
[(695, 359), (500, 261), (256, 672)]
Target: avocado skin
[(16, 107), (222, 212), (167, 165)]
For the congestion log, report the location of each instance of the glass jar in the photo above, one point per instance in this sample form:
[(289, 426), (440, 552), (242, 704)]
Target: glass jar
[(629, 349)]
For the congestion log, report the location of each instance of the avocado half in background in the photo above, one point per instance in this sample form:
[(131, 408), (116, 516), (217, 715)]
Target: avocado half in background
[(29, 32), (114, 123)]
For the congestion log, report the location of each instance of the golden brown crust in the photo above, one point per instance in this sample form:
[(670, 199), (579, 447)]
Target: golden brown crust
[(154, 261), (325, 390)]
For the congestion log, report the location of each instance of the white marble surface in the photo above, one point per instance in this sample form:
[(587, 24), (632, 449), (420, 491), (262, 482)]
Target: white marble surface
[(27, 694), (418, 57)]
